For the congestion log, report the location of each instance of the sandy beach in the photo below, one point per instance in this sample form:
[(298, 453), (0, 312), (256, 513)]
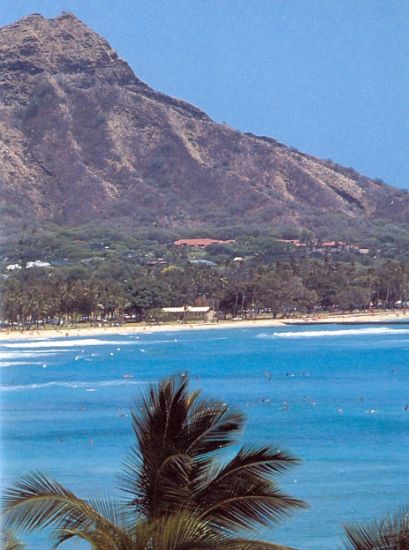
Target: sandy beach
[(132, 328)]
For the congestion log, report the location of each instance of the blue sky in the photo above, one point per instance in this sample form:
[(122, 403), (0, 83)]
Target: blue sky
[(330, 77)]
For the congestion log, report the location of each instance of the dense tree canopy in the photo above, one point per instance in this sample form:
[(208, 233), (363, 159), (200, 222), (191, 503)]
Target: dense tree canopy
[(96, 273)]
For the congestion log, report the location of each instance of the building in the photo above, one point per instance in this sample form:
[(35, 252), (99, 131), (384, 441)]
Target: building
[(294, 242), (38, 263), (188, 313), (156, 261), (13, 267), (200, 243), (203, 262)]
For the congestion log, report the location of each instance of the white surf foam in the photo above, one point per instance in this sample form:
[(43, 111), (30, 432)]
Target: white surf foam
[(64, 343), (5, 364), (23, 356), (71, 384), (375, 331), (6, 354)]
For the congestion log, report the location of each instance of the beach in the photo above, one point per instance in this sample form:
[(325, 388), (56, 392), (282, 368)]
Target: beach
[(140, 328)]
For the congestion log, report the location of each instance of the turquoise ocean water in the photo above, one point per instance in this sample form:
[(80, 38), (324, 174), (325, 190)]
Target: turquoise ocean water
[(334, 396)]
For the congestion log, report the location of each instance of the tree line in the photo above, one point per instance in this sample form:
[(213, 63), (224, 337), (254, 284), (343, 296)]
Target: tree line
[(236, 288)]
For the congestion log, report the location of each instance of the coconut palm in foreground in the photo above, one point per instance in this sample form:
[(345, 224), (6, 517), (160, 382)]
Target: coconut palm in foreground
[(391, 533), (179, 493), (9, 542)]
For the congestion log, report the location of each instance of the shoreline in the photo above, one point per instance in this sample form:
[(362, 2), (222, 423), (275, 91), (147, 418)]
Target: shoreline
[(345, 319)]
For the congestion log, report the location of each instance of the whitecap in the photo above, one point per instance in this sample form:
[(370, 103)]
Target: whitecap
[(5, 354), (375, 331), (18, 364), (64, 343), (71, 384)]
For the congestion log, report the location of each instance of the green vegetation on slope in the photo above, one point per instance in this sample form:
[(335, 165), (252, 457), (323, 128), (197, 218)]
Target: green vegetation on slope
[(95, 272)]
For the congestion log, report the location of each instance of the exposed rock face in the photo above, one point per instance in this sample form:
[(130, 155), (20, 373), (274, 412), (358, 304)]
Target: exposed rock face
[(81, 137)]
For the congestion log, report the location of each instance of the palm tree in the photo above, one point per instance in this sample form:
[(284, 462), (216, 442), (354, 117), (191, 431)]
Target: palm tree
[(9, 542), (179, 494), (391, 533)]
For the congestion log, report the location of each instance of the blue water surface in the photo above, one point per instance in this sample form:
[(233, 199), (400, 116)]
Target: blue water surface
[(334, 396)]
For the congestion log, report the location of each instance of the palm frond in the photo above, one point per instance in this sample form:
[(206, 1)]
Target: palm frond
[(211, 428), (36, 502), (240, 494), (109, 509), (62, 534), (174, 429), (250, 463), (9, 542), (156, 465), (160, 491), (180, 531), (161, 412), (244, 544), (186, 531), (245, 502), (111, 531), (99, 539), (170, 416), (391, 533)]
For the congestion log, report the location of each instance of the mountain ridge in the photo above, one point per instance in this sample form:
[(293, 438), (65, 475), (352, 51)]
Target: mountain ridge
[(83, 138)]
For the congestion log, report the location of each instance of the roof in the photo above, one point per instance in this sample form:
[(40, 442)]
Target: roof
[(200, 242), (332, 244), (204, 262), (188, 309), (38, 263)]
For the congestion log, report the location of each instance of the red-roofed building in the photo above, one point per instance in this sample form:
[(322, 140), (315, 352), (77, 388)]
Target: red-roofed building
[(200, 243)]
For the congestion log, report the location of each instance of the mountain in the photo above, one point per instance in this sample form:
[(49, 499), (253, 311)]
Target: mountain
[(82, 138)]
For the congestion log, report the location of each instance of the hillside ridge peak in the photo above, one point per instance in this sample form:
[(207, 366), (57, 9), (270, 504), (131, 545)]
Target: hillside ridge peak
[(82, 138)]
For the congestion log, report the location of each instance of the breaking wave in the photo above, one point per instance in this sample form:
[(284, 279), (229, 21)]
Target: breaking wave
[(5, 364), (15, 358), (375, 331), (65, 343), (89, 386)]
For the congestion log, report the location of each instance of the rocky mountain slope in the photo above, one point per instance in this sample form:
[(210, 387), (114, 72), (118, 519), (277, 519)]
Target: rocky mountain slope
[(82, 138)]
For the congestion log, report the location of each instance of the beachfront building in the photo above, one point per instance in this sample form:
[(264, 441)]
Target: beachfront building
[(188, 313)]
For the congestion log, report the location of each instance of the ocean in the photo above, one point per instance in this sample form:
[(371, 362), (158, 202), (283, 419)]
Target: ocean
[(335, 396)]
